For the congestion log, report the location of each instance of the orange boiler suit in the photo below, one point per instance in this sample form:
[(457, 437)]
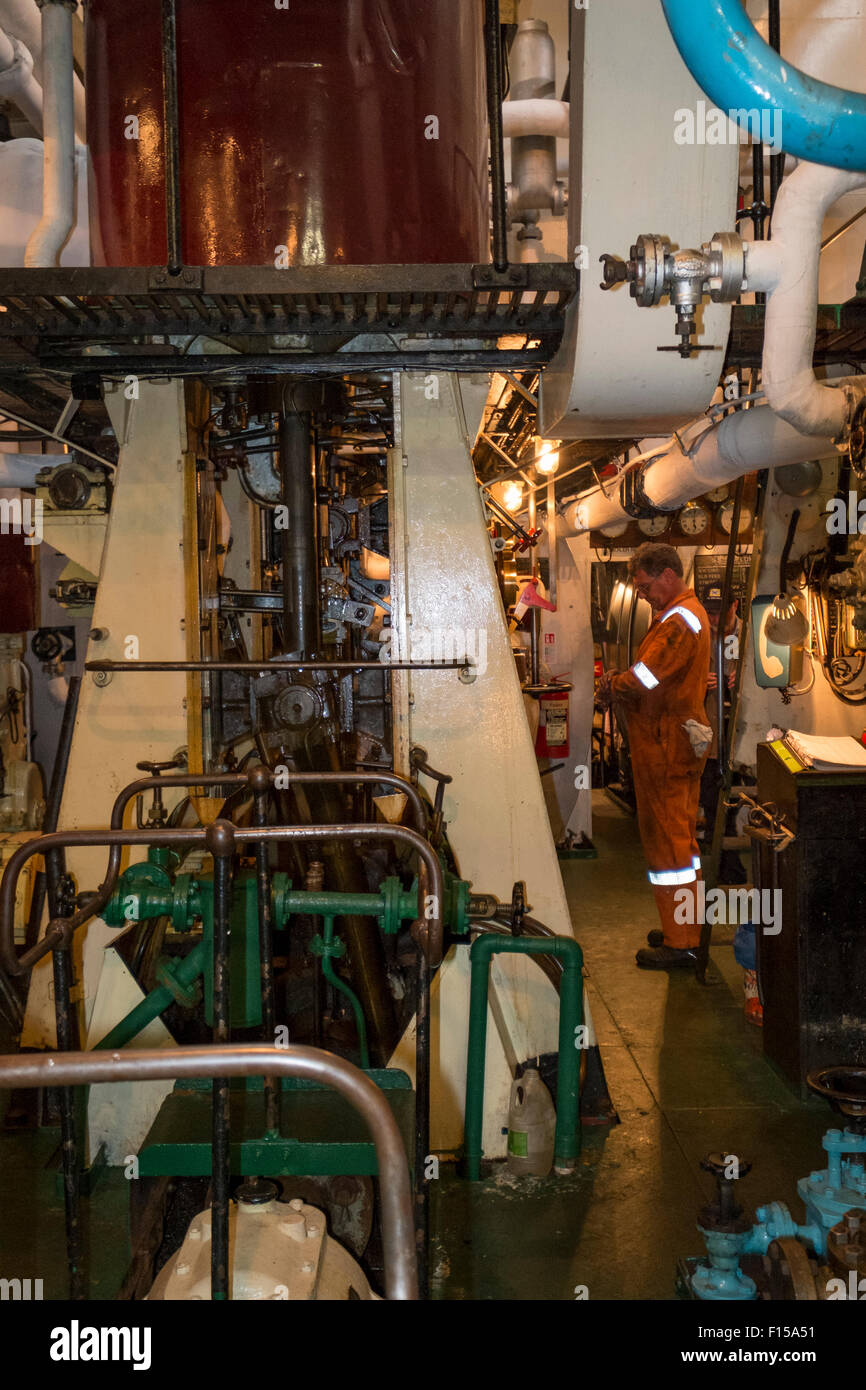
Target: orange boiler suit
[(666, 686)]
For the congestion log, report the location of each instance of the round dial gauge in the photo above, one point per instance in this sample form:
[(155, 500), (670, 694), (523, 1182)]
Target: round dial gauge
[(718, 494), (614, 529), (694, 519), (654, 525), (726, 518)]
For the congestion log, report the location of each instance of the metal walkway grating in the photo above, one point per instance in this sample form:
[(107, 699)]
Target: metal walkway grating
[(440, 300)]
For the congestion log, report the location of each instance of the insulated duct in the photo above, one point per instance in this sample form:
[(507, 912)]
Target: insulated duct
[(740, 443)]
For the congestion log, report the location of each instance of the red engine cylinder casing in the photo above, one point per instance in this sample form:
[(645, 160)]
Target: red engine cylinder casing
[(308, 127)]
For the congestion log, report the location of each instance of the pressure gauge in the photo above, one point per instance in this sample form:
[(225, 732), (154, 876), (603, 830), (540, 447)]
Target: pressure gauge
[(726, 518), (718, 494), (654, 525), (694, 519), (614, 529)]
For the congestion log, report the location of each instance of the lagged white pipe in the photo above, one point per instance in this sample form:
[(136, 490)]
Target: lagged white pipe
[(58, 186), (19, 470), (787, 269), (21, 20), (17, 83), (740, 443)]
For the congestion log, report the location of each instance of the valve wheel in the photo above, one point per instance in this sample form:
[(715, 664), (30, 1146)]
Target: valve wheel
[(843, 1087)]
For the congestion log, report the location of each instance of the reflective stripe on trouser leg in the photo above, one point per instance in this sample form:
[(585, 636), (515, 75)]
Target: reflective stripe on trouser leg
[(667, 878)]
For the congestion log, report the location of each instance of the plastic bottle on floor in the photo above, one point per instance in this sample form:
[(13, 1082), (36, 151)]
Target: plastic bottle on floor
[(531, 1126)]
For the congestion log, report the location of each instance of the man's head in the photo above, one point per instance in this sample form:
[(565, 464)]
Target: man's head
[(712, 602), (656, 571)]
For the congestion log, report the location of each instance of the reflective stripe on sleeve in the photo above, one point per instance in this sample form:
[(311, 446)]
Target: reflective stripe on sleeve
[(666, 877), (691, 619), (696, 861), (644, 675)]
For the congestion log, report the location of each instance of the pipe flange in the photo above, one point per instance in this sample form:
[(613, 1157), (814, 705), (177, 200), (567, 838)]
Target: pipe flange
[(632, 497), (647, 269), (166, 975), (727, 257), (185, 905), (390, 917)]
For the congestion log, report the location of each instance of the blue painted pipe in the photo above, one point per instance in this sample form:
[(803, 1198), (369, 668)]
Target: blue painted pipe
[(739, 71)]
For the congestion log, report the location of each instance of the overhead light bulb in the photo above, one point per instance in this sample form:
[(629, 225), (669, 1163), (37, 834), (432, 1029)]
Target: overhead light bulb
[(512, 496), (786, 624), (547, 458)]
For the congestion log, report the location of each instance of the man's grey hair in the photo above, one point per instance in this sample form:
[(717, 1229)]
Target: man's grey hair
[(653, 559)]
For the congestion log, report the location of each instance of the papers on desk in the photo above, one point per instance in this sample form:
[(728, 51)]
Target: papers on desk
[(827, 754)]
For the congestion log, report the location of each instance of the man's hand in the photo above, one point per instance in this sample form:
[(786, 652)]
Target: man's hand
[(603, 692), (712, 681)]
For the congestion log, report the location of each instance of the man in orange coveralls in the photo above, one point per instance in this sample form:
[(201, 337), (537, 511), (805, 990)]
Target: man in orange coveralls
[(663, 696)]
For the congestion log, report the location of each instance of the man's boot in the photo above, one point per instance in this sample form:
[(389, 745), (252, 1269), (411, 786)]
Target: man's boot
[(665, 957)]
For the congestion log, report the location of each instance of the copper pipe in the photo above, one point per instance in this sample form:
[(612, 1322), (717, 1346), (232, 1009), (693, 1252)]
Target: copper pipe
[(91, 1068)]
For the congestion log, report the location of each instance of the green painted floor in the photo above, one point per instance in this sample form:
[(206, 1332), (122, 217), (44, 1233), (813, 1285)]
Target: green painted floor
[(687, 1076), (32, 1231)]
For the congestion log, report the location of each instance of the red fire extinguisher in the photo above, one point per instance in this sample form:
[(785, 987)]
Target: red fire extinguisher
[(551, 741)]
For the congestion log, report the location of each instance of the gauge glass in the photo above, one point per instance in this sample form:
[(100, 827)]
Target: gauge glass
[(726, 518), (654, 525), (694, 519), (614, 529)]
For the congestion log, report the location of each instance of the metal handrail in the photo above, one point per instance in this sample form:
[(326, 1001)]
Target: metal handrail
[(310, 1063), (95, 904), (60, 929)]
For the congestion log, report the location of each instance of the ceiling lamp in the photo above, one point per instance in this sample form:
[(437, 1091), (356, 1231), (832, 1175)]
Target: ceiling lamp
[(547, 459), (512, 496)]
